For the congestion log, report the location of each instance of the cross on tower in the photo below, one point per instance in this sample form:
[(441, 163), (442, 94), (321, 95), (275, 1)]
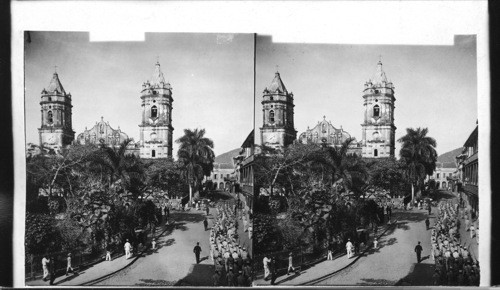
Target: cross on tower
[(380, 58), (277, 68), (55, 69)]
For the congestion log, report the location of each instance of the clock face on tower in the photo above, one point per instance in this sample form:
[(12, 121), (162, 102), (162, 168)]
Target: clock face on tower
[(52, 139)]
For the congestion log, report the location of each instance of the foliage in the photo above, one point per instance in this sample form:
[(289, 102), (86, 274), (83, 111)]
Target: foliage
[(418, 153), (266, 235), (41, 234), (388, 174), (196, 156), (165, 175)]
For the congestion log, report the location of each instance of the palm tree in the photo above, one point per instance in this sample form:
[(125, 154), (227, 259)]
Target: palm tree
[(419, 155), (196, 155), (121, 166), (346, 167)]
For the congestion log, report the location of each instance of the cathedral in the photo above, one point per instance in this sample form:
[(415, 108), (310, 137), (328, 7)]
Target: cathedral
[(277, 107), (377, 130), (155, 128)]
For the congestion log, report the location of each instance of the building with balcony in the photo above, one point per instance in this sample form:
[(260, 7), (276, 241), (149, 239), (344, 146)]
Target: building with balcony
[(245, 172), (468, 166)]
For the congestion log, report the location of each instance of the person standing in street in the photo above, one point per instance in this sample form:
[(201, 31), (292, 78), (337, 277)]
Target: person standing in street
[(127, 248), (207, 210), (205, 223), (69, 268), (330, 255), (290, 264), (348, 247), (45, 267), (108, 252), (418, 250), (274, 270), (266, 262), (375, 243), (197, 251), (427, 223)]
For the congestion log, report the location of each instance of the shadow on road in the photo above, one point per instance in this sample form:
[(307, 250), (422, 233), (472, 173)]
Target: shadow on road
[(151, 282), (420, 275), (190, 217), (376, 282), (160, 245), (199, 275)]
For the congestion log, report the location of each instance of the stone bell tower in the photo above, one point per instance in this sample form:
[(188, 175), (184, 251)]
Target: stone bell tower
[(277, 107), (55, 131), (156, 124), (378, 129)]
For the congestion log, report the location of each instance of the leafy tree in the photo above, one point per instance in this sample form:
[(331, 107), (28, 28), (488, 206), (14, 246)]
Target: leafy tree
[(118, 165), (419, 155), (197, 157), (165, 175), (387, 174), (41, 234), (349, 168)]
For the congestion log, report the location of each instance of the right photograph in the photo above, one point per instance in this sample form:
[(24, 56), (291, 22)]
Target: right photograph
[(366, 164)]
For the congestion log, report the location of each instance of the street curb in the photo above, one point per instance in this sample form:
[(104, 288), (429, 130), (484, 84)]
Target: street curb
[(324, 277), (94, 281)]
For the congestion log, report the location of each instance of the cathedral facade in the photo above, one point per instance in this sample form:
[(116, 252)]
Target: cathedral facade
[(277, 106), (102, 133), (378, 129), (324, 133), (155, 129), (56, 129)]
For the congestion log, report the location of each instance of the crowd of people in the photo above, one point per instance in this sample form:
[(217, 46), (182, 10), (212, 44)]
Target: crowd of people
[(454, 264), (231, 259)]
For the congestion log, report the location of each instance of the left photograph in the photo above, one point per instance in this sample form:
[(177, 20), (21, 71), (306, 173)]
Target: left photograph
[(138, 160)]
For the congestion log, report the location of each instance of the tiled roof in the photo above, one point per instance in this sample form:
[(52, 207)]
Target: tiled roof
[(277, 85), (55, 85)]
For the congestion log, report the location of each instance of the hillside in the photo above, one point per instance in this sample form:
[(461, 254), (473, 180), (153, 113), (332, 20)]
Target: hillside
[(227, 158), (449, 157)]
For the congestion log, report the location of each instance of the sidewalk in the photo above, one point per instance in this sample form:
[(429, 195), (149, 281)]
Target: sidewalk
[(97, 271), (322, 269)]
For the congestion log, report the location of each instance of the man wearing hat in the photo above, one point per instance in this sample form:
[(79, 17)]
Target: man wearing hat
[(290, 263), (418, 250), (244, 254), (240, 279), (197, 251), (348, 247), (127, 248), (68, 266)]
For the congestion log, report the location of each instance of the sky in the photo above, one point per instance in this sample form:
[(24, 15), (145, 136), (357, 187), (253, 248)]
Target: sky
[(435, 86), (211, 76)]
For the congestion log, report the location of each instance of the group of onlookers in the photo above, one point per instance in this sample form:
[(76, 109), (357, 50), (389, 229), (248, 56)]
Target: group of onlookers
[(454, 264), (231, 259)]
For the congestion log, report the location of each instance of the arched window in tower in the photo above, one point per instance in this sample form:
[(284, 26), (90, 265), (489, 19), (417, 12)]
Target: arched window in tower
[(375, 153), (323, 128), (50, 117), (376, 111), (153, 153), (271, 116), (154, 112)]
